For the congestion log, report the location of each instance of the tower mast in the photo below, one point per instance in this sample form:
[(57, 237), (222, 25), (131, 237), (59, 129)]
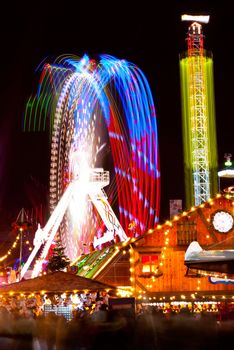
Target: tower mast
[(199, 133)]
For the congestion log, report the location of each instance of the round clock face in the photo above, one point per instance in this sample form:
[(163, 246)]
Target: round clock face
[(222, 221)]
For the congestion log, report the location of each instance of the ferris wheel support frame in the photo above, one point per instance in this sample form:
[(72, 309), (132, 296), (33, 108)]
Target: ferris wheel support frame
[(98, 178)]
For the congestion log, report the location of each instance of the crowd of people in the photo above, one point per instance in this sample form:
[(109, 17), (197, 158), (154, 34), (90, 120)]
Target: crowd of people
[(114, 329)]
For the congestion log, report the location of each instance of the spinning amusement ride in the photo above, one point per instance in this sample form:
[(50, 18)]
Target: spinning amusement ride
[(102, 122)]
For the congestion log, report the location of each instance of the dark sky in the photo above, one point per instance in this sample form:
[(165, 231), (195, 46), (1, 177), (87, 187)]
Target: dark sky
[(149, 34)]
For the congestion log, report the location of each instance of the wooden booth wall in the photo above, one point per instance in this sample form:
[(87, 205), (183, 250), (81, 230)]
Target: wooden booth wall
[(157, 259)]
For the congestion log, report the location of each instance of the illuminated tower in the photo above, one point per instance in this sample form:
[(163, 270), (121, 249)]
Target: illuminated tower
[(198, 116)]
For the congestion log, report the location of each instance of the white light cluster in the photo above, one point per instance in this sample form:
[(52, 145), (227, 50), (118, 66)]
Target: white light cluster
[(200, 18)]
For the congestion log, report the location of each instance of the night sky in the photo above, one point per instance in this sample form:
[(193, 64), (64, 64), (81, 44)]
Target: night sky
[(151, 35)]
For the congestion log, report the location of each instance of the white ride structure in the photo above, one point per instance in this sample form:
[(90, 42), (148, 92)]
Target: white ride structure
[(96, 179)]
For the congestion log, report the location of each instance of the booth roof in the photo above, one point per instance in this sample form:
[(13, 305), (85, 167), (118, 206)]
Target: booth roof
[(56, 282)]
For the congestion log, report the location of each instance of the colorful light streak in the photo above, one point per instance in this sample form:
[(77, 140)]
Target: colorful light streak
[(104, 110), (198, 120)]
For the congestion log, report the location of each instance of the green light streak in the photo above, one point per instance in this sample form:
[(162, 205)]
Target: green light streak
[(189, 124)]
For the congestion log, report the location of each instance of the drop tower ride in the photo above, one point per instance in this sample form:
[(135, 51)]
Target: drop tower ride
[(198, 116)]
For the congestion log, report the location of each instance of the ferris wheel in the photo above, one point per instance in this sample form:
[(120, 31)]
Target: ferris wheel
[(101, 115)]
